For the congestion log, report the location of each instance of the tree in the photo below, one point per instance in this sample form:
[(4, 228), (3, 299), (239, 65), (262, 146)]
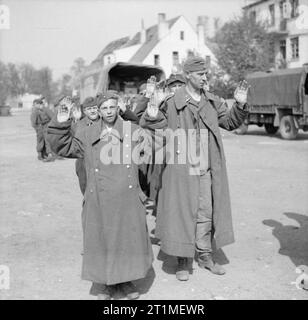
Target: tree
[(28, 78), (14, 82), (64, 85), (44, 83), (243, 46), (76, 71), (4, 88)]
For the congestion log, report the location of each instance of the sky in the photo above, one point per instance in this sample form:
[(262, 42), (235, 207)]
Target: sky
[(54, 32)]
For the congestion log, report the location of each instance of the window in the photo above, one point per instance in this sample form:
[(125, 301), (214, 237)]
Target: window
[(272, 14), (253, 16), (294, 48), (282, 48), (182, 35), (175, 58), (281, 8), (156, 59), (271, 51), (294, 8)]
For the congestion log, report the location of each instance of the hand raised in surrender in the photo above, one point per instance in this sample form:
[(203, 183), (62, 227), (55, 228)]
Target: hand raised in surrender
[(241, 92), (121, 104), (65, 109), (151, 86), (76, 113), (152, 109)]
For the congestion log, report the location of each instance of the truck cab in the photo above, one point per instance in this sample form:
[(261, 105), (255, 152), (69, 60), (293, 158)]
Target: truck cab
[(278, 100)]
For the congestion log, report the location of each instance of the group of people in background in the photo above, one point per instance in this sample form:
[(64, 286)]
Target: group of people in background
[(193, 211)]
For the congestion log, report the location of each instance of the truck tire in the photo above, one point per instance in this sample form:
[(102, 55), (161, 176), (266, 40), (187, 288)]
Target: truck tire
[(270, 129), (242, 129), (287, 128)]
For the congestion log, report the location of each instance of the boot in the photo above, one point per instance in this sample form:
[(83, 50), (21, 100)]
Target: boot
[(129, 290), (102, 291), (106, 294), (182, 273), (49, 158), (206, 261)]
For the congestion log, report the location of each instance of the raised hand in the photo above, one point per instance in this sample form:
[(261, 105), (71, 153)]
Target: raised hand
[(152, 109), (121, 104), (65, 108), (241, 92), (151, 85), (76, 112)]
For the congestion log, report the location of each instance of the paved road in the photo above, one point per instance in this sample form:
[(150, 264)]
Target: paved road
[(40, 227)]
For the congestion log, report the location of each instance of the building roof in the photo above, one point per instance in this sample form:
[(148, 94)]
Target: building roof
[(144, 50), (253, 4), (151, 41), (113, 45)]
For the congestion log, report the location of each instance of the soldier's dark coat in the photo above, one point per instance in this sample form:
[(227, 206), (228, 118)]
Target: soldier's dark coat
[(178, 197), (117, 247), (39, 121)]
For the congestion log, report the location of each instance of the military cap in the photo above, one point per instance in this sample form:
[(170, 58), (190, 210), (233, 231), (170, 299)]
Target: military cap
[(175, 77), (39, 101), (59, 100), (89, 102), (109, 94), (194, 64), (143, 87)]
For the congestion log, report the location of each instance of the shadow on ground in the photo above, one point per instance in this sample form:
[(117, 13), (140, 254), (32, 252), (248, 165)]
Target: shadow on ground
[(293, 239)]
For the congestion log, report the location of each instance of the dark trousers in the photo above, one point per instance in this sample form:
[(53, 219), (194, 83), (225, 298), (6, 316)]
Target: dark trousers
[(42, 145)]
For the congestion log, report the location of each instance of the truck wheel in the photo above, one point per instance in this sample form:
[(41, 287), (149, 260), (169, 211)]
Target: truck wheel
[(287, 128), (270, 129), (242, 129)]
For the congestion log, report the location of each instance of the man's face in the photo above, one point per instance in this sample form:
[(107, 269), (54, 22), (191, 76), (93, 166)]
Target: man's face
[(197, 79), (91, 112), (39, 106), (109, 111), (175, 86)]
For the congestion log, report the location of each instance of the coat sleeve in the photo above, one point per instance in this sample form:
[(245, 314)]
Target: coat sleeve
[(159, 122), (229, 119), (64, 141), (33, 119), (129, 115), (49, 113), (141, 107)]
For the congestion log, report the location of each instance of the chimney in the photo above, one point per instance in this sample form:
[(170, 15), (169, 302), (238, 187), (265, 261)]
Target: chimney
[(200, 33), (163, 27), (143, 36), (208, 61)]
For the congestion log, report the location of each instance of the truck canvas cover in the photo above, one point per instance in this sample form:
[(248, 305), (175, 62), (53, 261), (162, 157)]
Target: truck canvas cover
[(279, 87), (115, 76)]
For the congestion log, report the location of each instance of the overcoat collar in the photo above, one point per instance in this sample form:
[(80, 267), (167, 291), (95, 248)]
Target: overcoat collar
[(207, 114), (98, 130)]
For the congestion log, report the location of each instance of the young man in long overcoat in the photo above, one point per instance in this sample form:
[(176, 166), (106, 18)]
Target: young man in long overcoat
[(117, 248)]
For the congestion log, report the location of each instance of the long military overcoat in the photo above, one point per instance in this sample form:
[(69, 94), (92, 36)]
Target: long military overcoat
[(178, 197), (117, 247)]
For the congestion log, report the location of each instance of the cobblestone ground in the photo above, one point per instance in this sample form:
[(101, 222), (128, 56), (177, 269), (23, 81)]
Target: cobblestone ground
[(40, 225)]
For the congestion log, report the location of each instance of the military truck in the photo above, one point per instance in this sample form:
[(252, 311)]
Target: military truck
[(278, 100), (124, 77)]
